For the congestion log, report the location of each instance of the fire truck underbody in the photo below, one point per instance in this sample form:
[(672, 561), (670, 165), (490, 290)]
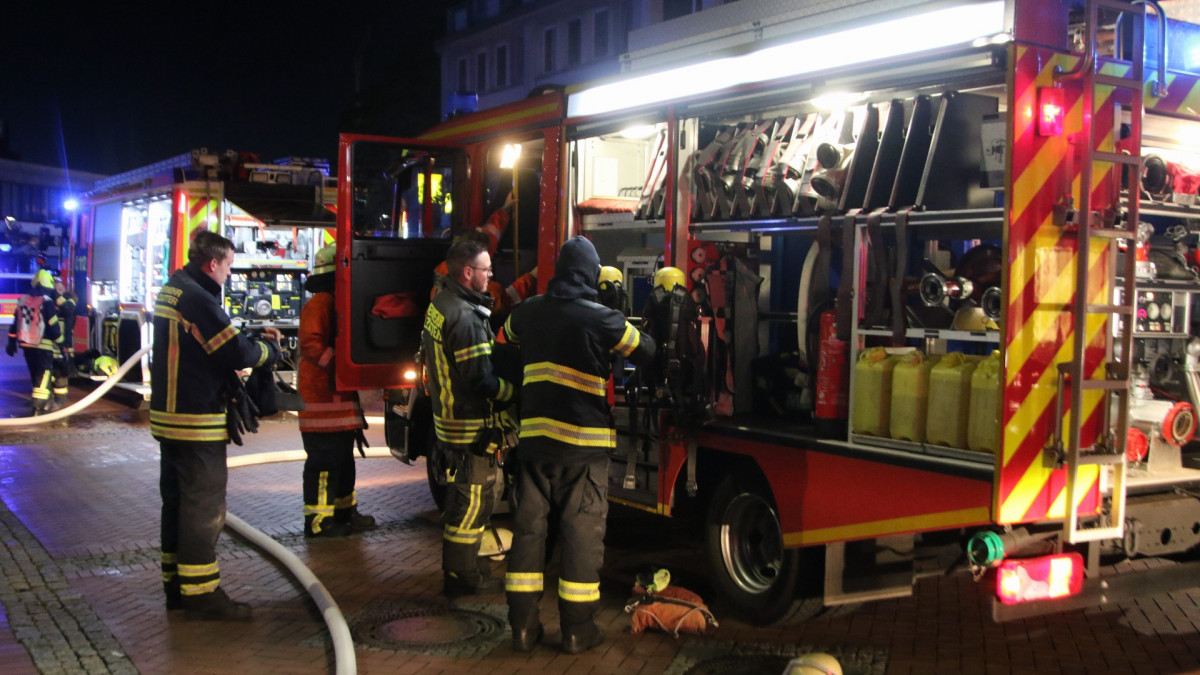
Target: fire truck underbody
[(940, 300)]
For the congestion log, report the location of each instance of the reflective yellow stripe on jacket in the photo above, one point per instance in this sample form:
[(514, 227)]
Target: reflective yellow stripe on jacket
[(596, 437), (546, 371), (188, 427)]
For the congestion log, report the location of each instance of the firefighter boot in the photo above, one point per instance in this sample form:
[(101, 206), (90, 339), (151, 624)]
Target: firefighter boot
[(215, 606), (523, 617), (325, 527), (174, 597), (358, 522), (578, 639)]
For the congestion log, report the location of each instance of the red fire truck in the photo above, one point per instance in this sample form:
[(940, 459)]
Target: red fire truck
[(941, 266), (132, 231)]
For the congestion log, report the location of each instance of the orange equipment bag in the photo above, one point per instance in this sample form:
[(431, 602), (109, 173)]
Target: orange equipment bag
[(671, 610)]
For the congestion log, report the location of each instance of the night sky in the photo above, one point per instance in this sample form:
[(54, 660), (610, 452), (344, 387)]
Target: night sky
[(134, 83)]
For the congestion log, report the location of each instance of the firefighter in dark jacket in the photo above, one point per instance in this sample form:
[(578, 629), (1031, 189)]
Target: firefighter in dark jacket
[(332, 420), (64, 362), (567, 342), (456, 346), (37, 330), (196, 350)]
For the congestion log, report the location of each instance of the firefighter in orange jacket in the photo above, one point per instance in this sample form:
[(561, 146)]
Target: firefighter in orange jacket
[(331, 421), (38, 332)]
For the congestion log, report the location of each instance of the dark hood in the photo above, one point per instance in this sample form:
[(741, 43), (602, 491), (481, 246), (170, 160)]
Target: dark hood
[(576, 272)]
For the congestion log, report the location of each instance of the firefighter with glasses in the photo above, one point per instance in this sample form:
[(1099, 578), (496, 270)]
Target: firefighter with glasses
[(456, 347)]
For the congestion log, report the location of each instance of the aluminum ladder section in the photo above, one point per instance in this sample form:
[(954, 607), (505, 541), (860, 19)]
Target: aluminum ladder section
[(1108, 451)]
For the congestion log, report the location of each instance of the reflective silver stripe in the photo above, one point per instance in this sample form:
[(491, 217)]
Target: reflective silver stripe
[(546, 371), (601, 437), (629, 340), (575, 591)]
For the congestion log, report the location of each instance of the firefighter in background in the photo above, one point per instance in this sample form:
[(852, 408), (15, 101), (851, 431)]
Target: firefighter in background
[(36, 329), (567, 430), (64, 363), (456, 347), (332, 421), (195, 354), (503, 299)]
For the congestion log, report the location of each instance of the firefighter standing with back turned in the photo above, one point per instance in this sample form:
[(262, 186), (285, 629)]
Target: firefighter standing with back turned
[(196, 353), (456, 346), (37, 330), (567, 341), (331, 421)]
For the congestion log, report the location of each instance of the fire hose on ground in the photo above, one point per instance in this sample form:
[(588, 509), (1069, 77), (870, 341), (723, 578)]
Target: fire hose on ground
[(343, 644)]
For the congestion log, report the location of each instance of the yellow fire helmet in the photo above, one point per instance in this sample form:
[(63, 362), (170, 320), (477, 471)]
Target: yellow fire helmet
[(325, 258), (610, 274), (105, 365), (44, 279), (668, 278)]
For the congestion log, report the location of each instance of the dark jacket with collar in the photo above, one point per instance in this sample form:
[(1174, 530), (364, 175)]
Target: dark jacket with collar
[(456, 345), (195, 350), (567, 342)]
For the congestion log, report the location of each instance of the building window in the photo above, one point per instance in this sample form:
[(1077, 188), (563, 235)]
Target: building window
[(501, 66), (600, 33), (673, 9), (481, 71), (460, 19), (549, 45), (574, 38), (462, 75)]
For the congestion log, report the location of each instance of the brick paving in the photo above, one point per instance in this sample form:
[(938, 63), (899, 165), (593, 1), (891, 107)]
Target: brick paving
[(80, 589)]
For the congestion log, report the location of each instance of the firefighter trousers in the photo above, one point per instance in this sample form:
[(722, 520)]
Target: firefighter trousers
[(191, 481), (329, 475), (40, 363), (470, 498), (578, 495)]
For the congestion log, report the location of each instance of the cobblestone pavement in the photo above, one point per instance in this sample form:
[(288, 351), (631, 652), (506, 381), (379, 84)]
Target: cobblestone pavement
[(80, 589)]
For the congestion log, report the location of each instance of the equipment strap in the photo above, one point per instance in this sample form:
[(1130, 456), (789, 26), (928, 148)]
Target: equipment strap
[(899, 324), (876, 290), (845, 296)]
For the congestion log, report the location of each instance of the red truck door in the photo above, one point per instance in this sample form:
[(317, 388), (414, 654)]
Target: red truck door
[(399, 203)]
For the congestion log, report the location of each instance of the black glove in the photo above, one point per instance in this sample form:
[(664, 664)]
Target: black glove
[(233, 423), (11, 349)]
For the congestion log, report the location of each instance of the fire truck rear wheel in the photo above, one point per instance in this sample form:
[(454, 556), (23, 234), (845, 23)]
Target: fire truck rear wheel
[(754, 575)]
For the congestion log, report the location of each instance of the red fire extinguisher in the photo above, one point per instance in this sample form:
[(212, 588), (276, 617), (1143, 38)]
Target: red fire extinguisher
[(833, 378)]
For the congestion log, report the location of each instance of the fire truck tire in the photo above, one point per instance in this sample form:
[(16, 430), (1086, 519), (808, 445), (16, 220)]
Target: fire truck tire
[(754, 576)]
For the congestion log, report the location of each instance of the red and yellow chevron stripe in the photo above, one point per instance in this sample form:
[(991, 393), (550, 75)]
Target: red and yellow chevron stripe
[(192, 211), (1039, 323)]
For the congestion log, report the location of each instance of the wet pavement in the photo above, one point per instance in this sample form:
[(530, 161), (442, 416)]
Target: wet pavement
[(80, 590)]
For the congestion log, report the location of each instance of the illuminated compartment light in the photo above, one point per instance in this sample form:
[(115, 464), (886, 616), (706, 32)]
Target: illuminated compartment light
[(938, 28), (410, 375), (1045, 578)]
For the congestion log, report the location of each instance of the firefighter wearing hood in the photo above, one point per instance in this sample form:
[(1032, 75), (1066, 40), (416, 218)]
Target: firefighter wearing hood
[(566, 340), (456, 347)]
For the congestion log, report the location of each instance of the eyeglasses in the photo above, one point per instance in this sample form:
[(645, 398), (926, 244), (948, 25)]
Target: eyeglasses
[(481, 269)]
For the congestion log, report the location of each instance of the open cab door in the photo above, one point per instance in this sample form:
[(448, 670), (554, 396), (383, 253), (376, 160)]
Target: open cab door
[(399, 202)]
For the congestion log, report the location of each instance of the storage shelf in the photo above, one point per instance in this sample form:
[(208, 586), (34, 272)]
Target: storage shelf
[(938, 334), (989, 223), (924, 448)]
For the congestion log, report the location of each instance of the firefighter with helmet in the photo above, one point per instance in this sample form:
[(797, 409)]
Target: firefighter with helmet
[(332, 421), (566, 341), (36, 329)]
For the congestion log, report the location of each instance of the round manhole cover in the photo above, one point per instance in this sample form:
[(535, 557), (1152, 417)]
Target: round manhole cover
[(426, 628), (740, 665)]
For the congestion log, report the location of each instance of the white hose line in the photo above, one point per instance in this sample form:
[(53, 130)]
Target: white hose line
[(339, 630), (82, 403), (343, 645)]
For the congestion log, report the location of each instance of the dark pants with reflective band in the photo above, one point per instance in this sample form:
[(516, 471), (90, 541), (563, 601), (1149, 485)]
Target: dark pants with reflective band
[(192, 484), (40, 363), (328, 476), (469, 502), (578, 494)]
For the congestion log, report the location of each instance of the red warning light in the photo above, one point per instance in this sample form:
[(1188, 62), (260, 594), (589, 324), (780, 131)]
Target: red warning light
[(1050, 111)]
